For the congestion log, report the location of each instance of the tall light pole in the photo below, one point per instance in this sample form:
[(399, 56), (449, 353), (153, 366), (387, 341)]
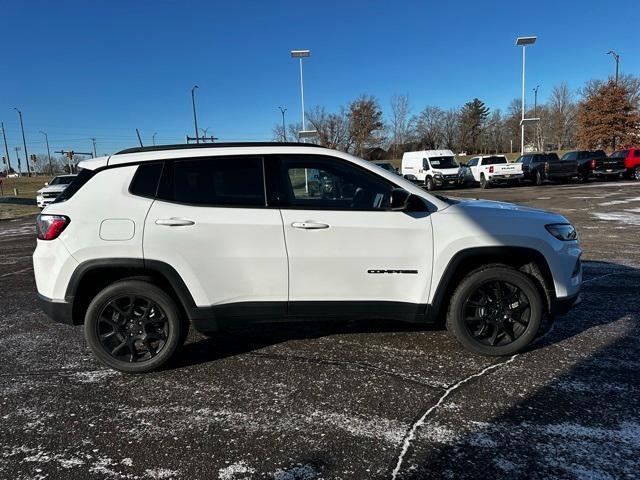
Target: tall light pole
[(153, 137), (535, 100), (300, 54), (6, 148), (46, 138), (523, 42), (284, 130), (24, 142), (17, 149), (193, 104), (616, 57), (93, 141)]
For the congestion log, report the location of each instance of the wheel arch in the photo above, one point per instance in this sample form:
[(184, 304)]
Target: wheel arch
[(528, 260), (92, 276)]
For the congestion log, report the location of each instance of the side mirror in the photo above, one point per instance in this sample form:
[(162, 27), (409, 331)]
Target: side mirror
[(403, 201), (46, 184)]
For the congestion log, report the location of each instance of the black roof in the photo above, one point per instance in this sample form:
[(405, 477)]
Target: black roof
[(186, 146)]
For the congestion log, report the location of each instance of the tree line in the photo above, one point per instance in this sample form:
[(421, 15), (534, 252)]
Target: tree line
[(600, 115)]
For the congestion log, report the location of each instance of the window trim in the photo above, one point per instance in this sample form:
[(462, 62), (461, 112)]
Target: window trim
[(167, 178)]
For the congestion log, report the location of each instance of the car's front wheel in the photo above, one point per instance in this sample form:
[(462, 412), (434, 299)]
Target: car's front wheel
[(496, 310), (133, 326), (429, 184)]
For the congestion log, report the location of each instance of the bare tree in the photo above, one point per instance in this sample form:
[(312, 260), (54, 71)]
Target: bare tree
[(561, 120), (333, 128), (400, 109), (428, 128), (366, 125)]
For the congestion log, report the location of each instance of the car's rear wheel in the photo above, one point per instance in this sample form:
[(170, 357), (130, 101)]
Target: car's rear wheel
[(484, 183), (636, 174), (537, 178), (496, 310), (133, 326)]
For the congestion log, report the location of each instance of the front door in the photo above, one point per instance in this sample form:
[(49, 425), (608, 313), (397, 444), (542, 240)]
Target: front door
[(348, 252)]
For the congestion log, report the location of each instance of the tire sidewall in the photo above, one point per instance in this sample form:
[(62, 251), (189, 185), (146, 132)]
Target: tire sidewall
[(429, 183), (538, 178), (141, 289), (455, 321)]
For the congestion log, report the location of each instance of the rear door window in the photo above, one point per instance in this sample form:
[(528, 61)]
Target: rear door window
[(216, 181)]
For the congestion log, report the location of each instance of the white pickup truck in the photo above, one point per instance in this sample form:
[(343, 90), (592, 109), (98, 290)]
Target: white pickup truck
[(489, 169)]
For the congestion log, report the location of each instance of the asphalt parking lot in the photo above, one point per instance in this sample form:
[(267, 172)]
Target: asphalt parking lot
[(357, 401)]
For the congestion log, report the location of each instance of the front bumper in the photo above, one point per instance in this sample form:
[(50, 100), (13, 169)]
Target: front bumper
[(560, 306), (57, 311), (442, 181)]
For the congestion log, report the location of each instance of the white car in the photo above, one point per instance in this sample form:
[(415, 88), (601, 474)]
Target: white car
[(431, 168), (489, 169), (51, 190), (218, 235)]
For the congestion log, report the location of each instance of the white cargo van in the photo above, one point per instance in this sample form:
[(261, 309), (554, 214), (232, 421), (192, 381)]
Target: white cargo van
[(431, 168)]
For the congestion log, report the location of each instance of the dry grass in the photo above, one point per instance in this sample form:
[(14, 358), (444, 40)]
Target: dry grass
[(27, 186), (9, 211)]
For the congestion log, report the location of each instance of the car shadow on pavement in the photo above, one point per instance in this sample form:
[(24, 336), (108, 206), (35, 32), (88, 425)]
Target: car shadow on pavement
[(606, 278)]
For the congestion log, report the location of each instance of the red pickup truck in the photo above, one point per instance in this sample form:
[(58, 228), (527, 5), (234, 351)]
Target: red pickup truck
[(631, 161)]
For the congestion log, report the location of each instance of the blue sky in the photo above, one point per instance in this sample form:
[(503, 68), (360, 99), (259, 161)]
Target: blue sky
[(102, 68)]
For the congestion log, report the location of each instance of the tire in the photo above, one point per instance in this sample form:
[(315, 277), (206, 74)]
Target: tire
[(484, 183), (636, 174), (537, 178), (583, 177), (152, 322), (476, 322), (428, 182)]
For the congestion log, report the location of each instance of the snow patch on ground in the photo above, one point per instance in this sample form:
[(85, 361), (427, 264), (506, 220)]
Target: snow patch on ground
[(622, 217), (161, 473), (299, 472), (93, 376), (236, 471), (619, 202)]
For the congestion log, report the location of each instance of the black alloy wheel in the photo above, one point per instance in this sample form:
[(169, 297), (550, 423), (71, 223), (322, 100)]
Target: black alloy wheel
[(132, 328), (496, 313)]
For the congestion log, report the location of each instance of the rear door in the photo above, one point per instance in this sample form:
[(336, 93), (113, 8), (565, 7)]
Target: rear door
[(211, 224), (348, 253)]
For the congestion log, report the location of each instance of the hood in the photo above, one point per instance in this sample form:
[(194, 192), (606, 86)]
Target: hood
[(53, 189), (479, 207)]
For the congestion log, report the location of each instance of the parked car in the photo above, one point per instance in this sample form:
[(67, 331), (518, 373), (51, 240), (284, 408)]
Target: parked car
[(431, 168), (587, 161), (388, 166), (489, 169), (51, 190), (216, 235), (631, 157), (538, 167)]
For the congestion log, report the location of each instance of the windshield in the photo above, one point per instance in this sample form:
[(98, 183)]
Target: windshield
[(62, 180), (443, 162)]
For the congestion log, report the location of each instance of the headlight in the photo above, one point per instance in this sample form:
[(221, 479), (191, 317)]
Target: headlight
[(437, 174), (562, 231)]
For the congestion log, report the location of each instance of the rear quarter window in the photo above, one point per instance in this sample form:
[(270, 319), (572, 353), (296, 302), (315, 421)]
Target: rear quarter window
[(146, 179)]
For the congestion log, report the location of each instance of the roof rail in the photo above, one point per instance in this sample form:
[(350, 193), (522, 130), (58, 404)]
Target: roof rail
[(186, 146)]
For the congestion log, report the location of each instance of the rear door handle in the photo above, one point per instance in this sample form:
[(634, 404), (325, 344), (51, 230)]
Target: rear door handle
[(174, 222), (309, 225)]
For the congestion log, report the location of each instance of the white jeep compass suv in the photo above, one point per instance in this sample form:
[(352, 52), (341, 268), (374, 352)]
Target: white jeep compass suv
[(151, 240)]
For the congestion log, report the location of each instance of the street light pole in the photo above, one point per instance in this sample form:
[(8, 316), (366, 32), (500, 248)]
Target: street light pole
[(153, 138), (193, 104), (93, 140), (24, 142), (46, 138), (523, 42), (616, 57), (17, 149), (284, 130), (300, 54), (535, 101), (6, 148)]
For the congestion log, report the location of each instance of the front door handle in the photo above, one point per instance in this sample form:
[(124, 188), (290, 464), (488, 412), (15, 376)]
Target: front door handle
[(174, 222), (309, 225)]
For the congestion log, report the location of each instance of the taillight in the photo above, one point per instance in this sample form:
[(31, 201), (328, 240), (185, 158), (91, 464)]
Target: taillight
[(491, 169), (593, 164), (50, 227)]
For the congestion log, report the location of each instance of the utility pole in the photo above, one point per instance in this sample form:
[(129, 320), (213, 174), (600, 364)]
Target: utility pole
[(24, 141), (153, 138), (535, 101), (46, 138), (193, 104), (616, 57), (284, 130), (93, 140), (6, 148), (17, 149)]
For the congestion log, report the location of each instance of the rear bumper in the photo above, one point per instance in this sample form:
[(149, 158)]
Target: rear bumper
[(506, 177), (560, 306), (56, 310), (609, 172)]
